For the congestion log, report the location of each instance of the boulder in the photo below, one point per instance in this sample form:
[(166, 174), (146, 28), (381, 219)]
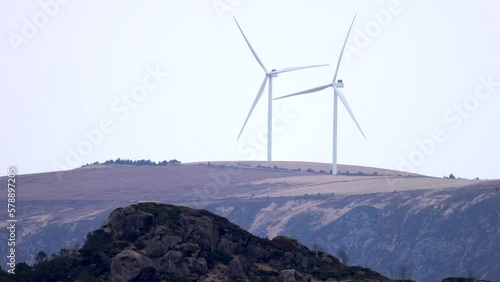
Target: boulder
[(235, 271), (290, 275), (129, 265)]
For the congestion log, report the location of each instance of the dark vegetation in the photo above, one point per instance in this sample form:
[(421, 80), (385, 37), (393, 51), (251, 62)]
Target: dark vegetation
[(137, 162), (359, 173), (142, 162)]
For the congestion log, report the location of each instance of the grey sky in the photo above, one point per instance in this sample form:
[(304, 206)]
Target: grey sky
[(405, 78)]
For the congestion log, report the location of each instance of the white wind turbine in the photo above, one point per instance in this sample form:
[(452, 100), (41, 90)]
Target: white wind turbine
[(269, 76), (335, 85)]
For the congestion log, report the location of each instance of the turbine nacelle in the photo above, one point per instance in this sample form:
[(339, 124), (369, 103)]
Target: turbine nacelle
[(272, 73), (338, 84)]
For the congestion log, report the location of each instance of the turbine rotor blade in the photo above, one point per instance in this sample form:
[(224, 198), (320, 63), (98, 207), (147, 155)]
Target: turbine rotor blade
[(342, 51), (344, 101), (261, 90), (250, 46), (312, 90), (298, 68)]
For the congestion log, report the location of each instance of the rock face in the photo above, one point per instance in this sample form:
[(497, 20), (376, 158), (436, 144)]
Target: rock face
[(157, 242)]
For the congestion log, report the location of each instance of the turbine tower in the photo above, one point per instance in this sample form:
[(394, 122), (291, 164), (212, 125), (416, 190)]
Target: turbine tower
[(335, 84), (269, 76)]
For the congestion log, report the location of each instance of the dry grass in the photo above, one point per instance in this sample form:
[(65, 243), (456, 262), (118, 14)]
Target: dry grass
[(349, 185), (264, 266), (181, 182)]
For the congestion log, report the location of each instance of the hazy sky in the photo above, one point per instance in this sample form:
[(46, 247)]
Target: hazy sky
[(86, 81)]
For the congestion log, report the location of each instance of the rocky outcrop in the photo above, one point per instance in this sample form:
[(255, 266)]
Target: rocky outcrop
[(154, 242)]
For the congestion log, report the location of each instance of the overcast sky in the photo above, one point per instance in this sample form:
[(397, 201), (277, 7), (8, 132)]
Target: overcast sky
[(86, 81)]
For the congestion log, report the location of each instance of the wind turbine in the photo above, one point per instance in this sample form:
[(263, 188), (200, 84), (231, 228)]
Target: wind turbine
[(336, 93), (269, 76)]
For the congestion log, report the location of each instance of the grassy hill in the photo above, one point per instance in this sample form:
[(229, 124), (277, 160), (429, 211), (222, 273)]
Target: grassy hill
[(269, 199)]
